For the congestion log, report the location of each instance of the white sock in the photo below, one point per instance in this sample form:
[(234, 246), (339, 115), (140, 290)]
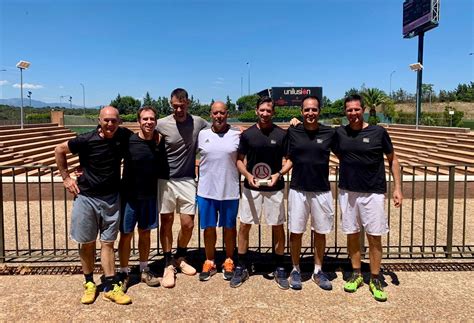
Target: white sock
[(125, 270), (317, 268), (143, 265), (296, 268)]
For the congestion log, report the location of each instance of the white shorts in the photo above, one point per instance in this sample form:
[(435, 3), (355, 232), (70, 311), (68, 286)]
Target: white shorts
[(302, 203), (366, 209), (177, 194), (251, 207)]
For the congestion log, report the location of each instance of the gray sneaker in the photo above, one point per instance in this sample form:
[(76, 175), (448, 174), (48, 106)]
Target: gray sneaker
[(322, 280), (149, 278), (280, 278), (295, 280), (241, 274)]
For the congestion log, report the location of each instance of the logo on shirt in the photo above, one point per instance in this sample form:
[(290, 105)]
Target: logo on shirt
[(273, 142), (366, 140), (261, 171), (319, 141), (207, 141)]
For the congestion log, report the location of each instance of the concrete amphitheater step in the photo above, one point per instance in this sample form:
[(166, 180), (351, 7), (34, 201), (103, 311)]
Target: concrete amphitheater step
[(31, 130), (27, 146), (23, 135), (36, 137)]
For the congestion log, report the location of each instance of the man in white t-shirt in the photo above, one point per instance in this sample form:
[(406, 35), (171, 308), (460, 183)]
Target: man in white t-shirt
[(218, 188)]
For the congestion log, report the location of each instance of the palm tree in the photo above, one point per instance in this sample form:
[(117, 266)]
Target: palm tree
[(373, 98)]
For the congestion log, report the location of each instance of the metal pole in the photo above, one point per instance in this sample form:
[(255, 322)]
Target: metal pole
[(70, 102), (248, 64), (2, 231), (419, 77), (450, 223), (241, 86), (390, 94), (83, 98), (21, 89)]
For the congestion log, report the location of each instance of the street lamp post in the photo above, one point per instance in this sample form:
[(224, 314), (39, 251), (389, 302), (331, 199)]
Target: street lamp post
[(22, 65), (70, 102), (390, 94), (83, 98), (248, 65), (61, 100)]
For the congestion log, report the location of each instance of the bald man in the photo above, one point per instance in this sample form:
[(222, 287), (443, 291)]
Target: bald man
[(218, 188), (96, 199)]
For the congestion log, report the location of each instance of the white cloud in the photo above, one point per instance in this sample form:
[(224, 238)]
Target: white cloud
[(61, 87), (289, 83), (28, 86), (4, 82), (218, 82), (220, 78)]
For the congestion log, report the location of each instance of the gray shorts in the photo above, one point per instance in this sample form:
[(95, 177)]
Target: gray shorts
[(91, 215)]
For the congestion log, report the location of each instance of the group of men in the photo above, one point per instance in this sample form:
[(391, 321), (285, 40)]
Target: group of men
[(159, 177)]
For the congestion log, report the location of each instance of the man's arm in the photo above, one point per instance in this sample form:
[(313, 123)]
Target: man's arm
[(285, 169), (243, 170), (60, 154), (395, 169)]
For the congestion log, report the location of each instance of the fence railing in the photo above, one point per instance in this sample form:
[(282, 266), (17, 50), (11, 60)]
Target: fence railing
[(435, 221)]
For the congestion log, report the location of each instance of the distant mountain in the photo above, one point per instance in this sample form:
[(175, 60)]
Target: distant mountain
[(16, 102)]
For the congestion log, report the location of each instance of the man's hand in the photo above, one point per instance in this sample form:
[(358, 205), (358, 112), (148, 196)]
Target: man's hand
[(71, 186), (274, 179), (294, 122), (252, 181), (397, 198)]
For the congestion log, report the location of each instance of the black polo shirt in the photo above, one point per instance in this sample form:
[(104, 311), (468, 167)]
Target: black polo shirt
[(263, 146), (361, 152), (309, 152), (141, 165), (100, 160)]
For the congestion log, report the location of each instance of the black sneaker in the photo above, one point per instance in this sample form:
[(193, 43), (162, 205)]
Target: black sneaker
[(295, 280), (280, 278), (241, 274)]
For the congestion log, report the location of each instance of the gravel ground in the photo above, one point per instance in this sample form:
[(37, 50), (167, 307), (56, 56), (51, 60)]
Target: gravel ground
[(418, 296)]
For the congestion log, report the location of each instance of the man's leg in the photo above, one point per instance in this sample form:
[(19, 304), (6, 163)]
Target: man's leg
[(166, 235), (375, 255), (241, 273), (229, 240), (319, 248), (353, 247), (210, 238), (295, 249), (124, 248), (107, 258), (143, 245), (184, 236), (86, 253), (279, 239)]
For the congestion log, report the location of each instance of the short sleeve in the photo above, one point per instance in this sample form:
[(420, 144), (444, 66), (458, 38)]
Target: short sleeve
[(334, 141), (387, 145), (77, 145), (243, 144)]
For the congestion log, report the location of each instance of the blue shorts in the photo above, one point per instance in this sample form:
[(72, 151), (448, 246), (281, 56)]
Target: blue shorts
[(143, 212), (210, 211)]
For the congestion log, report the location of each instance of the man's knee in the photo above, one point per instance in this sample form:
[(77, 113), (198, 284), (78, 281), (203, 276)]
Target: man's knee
[(143, 233), (187, 222), (167, 219)]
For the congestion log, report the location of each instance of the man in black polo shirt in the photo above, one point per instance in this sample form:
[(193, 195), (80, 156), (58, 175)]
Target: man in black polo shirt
[(139, 195), (309, 146), (361, 148), (262, 145), (96, 204)]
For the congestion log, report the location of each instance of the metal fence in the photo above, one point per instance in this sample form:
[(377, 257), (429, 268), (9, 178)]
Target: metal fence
[(435, 221)]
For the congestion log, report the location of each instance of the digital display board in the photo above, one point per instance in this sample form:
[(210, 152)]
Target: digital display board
[(419, 16)]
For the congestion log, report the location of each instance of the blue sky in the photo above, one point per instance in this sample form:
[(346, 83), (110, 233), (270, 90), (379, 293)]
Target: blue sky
[(130, 47)]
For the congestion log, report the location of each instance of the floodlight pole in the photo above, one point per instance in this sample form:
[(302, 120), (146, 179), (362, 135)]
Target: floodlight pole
[(83, 98), (419, 76)]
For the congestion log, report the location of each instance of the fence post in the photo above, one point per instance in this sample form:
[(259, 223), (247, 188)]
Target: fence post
[(361, 243), (450, 223), (2, 231)]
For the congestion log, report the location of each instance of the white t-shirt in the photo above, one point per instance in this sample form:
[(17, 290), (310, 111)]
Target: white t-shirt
[(218, 174)]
